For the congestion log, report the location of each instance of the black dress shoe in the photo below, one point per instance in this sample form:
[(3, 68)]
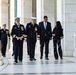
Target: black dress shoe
[(47, 58), (40, 57), (13, 54), (4, 56), (56, 58), (31, 59), (15, 62), (61, 58), (34, 59), (20, 61)]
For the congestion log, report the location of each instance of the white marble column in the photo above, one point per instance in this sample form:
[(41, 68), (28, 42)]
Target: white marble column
[(4, 12), (34, 7), (1, 61), (40, 10), (27, 10)]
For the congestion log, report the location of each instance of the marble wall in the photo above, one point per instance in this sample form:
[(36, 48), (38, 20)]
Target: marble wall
[(4, 12), (70, 26)]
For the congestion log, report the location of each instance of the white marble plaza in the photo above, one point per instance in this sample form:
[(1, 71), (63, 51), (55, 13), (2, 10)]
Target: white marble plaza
[(67, 66)]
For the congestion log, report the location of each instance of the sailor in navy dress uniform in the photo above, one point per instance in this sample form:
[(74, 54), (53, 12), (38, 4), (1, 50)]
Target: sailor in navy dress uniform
[(13, 40), (31, 32), (4, 34), (18, 34)]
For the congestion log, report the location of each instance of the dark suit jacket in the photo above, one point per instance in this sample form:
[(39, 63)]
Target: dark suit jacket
[(19, 32), (45, 32), (4, 34), (31, 32)]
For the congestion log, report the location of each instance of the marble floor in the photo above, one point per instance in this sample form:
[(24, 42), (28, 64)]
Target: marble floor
[(40, 67)]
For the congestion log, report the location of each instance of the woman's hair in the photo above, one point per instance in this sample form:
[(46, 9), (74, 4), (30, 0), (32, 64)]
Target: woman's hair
[(58, 24)]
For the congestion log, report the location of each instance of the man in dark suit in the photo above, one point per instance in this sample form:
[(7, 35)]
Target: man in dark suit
[(4, 34), (18, 34), (31, 31), (45, 36)]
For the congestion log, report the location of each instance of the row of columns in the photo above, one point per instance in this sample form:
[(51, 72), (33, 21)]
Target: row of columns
[(39, 8)]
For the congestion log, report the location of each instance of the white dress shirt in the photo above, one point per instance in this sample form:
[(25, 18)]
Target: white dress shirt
[(45, 25)]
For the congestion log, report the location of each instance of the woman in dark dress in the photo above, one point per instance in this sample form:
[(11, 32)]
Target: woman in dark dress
[(57, 36)]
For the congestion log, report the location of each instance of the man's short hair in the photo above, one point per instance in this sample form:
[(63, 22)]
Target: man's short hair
[(17, 18), (4, 24), (45, 17)]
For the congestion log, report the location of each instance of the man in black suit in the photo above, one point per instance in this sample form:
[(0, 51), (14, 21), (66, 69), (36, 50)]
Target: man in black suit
[(45, 36)]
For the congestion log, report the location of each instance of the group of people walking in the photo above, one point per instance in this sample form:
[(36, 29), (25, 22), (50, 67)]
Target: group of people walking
[(30, 33)]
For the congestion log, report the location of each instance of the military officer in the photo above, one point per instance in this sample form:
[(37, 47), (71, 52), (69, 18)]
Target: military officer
[(31, 31), (13, 47), (18, 34), (13, 40), (4, 34)]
